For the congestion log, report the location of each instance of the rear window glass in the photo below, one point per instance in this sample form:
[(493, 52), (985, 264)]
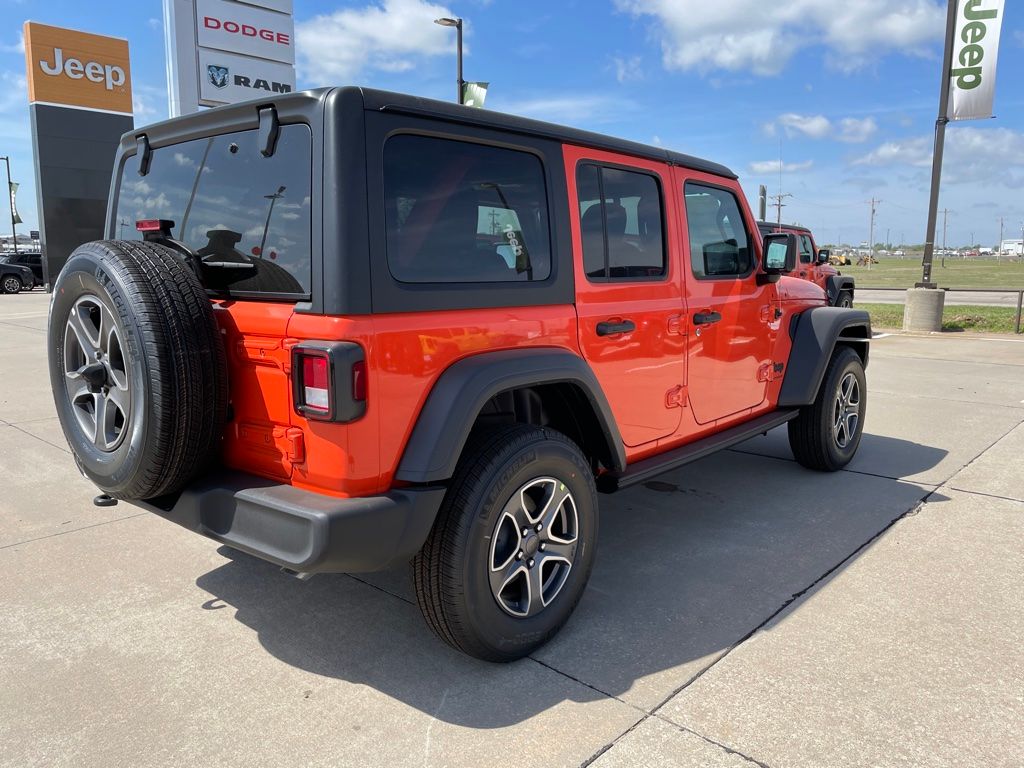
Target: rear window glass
[(231, 206), (458, 212)]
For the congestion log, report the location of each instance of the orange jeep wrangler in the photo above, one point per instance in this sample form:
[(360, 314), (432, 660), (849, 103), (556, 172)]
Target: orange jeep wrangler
[(813, 264), (345, 329)]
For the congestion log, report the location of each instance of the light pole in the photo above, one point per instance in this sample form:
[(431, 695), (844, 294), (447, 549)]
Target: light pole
[(457, 23), (10, 201)]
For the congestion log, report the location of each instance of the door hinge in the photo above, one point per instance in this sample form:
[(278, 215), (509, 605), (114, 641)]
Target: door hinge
[(770, 313), (675, 325), (676, 397), (770, 371)]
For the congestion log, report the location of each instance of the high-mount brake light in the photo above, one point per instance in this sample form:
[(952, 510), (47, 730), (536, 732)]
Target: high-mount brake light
[(154, 225)]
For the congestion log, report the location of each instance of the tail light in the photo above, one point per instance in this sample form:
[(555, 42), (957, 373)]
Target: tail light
[(329, 380)]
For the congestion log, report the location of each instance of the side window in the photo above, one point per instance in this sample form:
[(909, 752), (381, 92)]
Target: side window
[(806, 250), (620, 221), (458, 212), (719, 245)]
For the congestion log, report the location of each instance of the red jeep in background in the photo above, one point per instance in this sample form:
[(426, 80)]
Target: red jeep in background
[(360, 328), (814, 264)]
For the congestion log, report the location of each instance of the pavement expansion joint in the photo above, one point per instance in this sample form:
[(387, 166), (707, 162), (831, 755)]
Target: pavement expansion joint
[(73, 530), (718, 744), (405, 600)]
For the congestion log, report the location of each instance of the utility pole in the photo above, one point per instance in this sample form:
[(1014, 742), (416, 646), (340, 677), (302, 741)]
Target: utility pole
[(871, 236), (999, 247), (945, 217), (14, 231), (888, 245), (779, 205)]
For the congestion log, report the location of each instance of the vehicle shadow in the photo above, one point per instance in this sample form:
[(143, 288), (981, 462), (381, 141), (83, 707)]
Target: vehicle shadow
[(687, 566)]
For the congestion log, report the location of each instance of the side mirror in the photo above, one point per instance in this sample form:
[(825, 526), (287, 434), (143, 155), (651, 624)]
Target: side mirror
[(780, 253), (824, 254)]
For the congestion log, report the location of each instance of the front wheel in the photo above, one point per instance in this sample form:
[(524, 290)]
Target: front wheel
[(11, 284), (845, 300), (513, 545), (826, 434)]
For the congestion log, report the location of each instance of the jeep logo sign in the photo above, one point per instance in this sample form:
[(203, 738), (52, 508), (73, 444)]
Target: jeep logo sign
[(108, 74), (77, 69), (975, 50)]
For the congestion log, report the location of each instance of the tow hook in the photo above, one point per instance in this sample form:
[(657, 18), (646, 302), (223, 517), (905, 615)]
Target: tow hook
[(103, 500)]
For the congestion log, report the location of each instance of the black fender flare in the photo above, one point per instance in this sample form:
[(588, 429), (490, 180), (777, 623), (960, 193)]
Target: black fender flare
[(816, 332), (462, 390), (835, 285)]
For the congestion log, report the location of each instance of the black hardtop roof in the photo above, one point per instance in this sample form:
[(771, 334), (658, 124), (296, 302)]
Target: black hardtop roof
[(400, 102), (773, 225), (222, 119)]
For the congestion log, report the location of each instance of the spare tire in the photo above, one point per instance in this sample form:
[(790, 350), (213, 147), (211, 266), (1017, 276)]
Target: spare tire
[(137, 368)]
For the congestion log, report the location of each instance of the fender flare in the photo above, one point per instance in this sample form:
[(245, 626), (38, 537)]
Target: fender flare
[(816, 332), (836, 284), (462, 390)]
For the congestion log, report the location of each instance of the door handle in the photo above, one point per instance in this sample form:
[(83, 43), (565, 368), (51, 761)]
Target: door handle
[(609, 329), (706, 318)]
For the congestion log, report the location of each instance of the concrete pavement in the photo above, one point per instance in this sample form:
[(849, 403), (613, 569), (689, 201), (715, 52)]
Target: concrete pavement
[(742, 610)]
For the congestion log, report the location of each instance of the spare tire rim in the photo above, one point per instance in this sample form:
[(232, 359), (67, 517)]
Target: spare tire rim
[(846, 411), (533, 547), (96, 373)]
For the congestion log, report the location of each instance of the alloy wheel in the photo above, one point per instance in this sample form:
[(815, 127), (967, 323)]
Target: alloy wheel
[(96, 373), (533, 547), (846, 411)]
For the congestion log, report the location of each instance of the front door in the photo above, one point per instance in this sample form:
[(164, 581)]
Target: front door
[(732, 318), (628, 296)]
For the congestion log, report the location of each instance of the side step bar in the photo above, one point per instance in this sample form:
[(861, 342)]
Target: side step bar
[(646, 469)]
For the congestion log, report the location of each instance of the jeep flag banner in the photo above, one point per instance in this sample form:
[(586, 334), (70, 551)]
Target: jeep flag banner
[(225, 51), (14, 203), (67, 67), (972, 79)]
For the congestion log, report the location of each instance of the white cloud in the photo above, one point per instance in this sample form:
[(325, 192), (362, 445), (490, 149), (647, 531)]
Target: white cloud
[(813, 126), (854, 131), (849, 129), (627, 69), (390, 36), (990, 156), (761, 37), (18, 47), (772, 166)]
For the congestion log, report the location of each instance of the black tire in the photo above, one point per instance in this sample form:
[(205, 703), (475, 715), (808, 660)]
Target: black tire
[(11, 283), (162, 373), (845, 299), (813, 437), (452, 572)]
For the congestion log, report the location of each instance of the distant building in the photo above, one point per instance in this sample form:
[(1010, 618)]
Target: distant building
[(1012, 248)]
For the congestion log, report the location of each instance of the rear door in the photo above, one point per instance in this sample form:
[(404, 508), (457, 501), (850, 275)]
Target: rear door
[(628, 294), (732, 317)]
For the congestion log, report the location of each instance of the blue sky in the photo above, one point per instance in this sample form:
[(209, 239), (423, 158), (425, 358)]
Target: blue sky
[(847, 91)]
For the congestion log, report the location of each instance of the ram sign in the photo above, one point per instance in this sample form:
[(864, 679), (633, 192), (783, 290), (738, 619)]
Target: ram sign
[(225, 51)]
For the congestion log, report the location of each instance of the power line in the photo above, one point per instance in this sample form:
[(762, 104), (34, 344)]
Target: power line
[(779, 205)]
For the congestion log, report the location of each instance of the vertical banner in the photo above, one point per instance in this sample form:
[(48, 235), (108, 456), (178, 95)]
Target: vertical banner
[(474, 94), (14, 203), (972, 80)]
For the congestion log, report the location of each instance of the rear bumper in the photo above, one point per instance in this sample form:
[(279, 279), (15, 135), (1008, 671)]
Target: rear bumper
[(301, 530)]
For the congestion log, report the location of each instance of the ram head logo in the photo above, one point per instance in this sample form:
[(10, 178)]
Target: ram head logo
[(218, 75)]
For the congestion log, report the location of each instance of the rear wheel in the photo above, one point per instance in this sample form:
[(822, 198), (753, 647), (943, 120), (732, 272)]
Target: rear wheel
[(845, 300), (11, 284), (137, 368), (825, 435), (513, 545)]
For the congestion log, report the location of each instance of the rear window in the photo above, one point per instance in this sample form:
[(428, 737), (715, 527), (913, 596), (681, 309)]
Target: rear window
[(231, 206), (458, 212)]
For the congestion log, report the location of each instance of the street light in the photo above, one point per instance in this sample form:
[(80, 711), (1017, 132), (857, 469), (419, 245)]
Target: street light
[(457, 23), (10, 200)]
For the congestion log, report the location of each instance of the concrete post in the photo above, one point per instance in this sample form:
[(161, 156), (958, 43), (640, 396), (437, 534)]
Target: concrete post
[(923, 311)]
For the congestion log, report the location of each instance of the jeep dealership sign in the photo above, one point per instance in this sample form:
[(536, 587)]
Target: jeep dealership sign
[(77, 69), (226, 51), (975, 50)]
